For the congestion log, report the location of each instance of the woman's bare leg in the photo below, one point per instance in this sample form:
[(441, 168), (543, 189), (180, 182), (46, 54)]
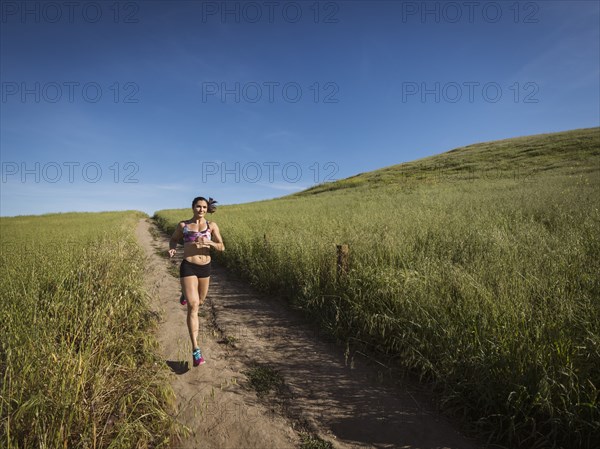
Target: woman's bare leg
[(203, 289), (190, 287)]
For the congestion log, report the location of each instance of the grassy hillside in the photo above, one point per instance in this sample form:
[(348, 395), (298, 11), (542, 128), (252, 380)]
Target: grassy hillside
[(523, 158), (77, 359), (481, 278)]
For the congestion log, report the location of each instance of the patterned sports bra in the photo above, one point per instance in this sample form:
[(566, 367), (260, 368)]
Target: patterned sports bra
[(191, 236)]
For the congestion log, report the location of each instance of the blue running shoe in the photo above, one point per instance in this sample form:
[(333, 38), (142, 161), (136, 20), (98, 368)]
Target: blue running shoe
[(198, 359)]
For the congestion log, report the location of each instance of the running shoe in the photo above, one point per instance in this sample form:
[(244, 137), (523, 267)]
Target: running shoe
[(182, 300), (198, 359)]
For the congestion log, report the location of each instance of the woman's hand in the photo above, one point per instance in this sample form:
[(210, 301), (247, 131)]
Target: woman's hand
[(172, 252), (202, 242)]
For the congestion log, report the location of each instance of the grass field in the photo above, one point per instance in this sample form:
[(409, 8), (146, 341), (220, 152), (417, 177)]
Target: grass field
[(77, 360), (476, 270)]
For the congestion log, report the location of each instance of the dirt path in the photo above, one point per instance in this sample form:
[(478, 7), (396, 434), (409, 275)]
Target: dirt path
[(326, 394)]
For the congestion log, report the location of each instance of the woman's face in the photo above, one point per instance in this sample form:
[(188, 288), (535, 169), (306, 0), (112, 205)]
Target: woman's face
[(200, 208)]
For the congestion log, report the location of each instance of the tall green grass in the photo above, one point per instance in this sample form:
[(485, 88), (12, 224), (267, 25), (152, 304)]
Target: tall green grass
[(77, 357), (487, 287)]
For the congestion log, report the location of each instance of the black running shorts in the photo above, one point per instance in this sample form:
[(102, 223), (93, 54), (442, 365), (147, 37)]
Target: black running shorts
[(191, 269)]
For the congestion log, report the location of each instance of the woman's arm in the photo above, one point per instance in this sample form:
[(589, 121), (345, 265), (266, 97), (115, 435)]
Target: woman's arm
[(177, 235), (217, 241)]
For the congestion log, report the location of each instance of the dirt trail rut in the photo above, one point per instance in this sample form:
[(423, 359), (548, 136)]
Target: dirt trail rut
[(340, 399)]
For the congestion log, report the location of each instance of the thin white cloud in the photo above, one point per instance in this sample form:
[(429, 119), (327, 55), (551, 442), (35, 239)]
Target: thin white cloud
[(568, 50), (280, 136)]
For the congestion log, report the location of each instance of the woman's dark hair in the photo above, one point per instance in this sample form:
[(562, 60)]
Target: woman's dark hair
[(210, 202)]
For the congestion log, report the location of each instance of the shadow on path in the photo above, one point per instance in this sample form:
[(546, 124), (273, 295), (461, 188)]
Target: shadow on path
[(178, 367), (341, 396)]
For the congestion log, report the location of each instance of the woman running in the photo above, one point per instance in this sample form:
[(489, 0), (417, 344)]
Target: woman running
[(199, 236)]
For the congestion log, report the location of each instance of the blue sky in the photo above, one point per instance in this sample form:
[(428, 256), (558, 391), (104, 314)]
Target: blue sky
[(147, 104)]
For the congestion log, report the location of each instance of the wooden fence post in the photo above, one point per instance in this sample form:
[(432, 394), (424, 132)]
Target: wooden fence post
[(342, 261)]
